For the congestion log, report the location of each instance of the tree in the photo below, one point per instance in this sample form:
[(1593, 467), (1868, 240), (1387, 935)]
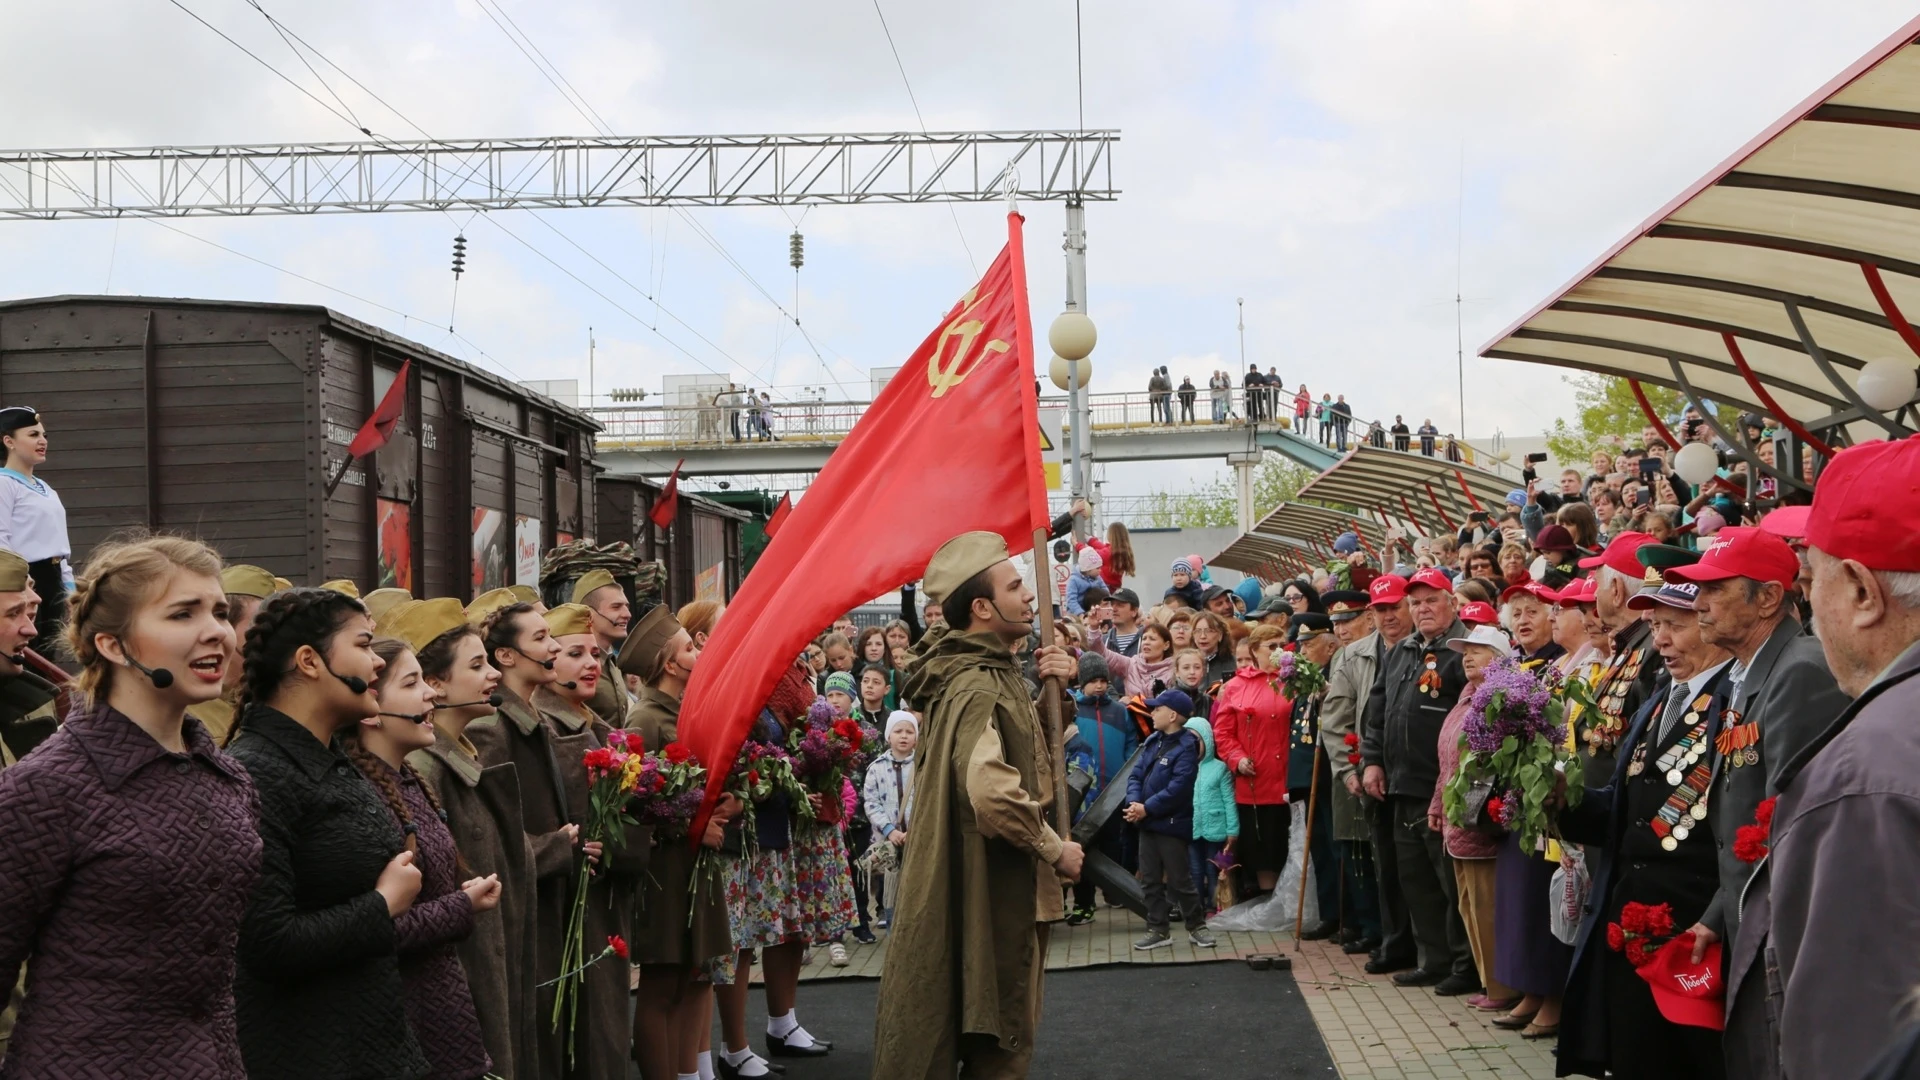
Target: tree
[(1216, 504), (1605, 414)]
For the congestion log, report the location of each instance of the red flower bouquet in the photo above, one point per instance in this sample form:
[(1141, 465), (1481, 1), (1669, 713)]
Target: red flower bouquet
[(1642, 930), (1353, 748), (1750, 842), (824, 751)]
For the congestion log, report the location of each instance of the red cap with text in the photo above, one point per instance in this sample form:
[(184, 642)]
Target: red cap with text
[(1532, 588), (1619, 555), (1788, 522), (1866, 506), (1686, 992), (1388, 589), (1479, 614), (1742, 551), (1432, 578)]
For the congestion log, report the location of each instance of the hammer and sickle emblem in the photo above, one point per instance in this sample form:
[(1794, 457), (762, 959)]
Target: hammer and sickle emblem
[(944, 371)]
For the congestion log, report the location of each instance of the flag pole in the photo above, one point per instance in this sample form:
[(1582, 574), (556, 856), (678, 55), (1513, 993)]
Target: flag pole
[(1306, 848), (345, 461), (1051, 690)]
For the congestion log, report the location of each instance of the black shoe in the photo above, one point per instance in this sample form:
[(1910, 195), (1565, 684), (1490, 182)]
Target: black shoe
[(864, 936), (1385, 964), (1420, 977), (1363, 945), (1455, 985), (777, 1047), (1320, 931), (732, 1072)]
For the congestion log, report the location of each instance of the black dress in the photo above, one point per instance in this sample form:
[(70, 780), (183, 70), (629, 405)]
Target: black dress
[(318, 988)]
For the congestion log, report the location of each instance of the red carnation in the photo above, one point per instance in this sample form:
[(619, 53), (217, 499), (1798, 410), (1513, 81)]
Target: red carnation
[(753, 776), (1352, 739), (619, 946), (1763, 814), (1616, 937), (598, 758), (1495, 807), (678, 753), (1633, 918), (1660, 920), (1749, 842), (1637, 951), (847, 730), (1353, 758)]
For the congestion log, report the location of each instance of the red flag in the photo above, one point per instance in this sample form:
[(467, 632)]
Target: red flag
[(667, 506), (779, 516), (951, 444), (379, 427)]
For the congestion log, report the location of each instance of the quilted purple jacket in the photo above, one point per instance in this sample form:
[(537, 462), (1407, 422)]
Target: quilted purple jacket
[(124, 872)]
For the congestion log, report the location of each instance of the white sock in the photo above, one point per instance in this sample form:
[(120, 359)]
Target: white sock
[(747, 1062), (688, 1076), (778, 1026), (706, 1065)]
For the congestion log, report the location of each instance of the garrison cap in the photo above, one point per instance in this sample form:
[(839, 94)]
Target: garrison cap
[(568, 620), (281, 584), (589, 581), (960, 558), (240, 579), (649, 635), (342, 585), (489, 602), (13, 573), (420, 622), (526, 594), (381, 601)]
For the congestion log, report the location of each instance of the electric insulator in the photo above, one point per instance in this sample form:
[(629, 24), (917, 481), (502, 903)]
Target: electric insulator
[(796, 249), (459, 255)]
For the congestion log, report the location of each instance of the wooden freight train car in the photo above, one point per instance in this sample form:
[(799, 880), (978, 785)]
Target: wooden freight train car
[(701, 552), (226, 420)]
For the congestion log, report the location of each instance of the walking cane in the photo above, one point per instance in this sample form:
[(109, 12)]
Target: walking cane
[(1051, 690), (1306, 848)]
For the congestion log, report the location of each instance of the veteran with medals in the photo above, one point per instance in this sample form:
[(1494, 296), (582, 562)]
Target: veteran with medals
[(1627, 678), (981, 880), (1349, 680), (1651, 821)]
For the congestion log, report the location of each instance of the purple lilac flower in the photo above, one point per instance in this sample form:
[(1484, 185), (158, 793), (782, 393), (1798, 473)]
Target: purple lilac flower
[(1523, 711), (1283, 665)]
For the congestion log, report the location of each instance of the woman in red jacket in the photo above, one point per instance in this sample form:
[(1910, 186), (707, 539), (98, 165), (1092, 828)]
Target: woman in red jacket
[(1252, 722)]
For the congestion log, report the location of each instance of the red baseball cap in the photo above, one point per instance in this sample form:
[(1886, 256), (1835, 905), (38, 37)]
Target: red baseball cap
[(1479, 614), (1532, 588), (1387, 589), (1619, 554), (1788, 522), (1578, 591), (1433, 578), (1866, 506), (1742, 551), (1686, 992)]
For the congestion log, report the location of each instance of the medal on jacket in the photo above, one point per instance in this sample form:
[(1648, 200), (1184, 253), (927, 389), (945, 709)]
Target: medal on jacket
[(1738, 743), (1430, 678), (1680, 766)]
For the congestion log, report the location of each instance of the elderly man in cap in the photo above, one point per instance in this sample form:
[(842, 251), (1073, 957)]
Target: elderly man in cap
[(27, 713), (1349, 679), (612, 613), (1649, 819), (1783, 694), (1349, 688), (1310, 779), (1629, 674), (1419, 682), (1823, 971), (961, 985)]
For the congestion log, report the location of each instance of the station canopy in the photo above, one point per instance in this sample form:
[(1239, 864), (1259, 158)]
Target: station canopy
[(1430, 495), (1771, 281), (1268, 558)]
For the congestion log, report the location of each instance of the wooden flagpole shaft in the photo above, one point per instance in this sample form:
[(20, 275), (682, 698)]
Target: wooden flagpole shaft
[(1051, 689), (1306, 848), (345, 461)]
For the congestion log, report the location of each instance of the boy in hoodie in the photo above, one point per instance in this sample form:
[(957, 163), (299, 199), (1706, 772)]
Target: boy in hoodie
[(872, 708), (1215, 820), (1102, 723), (1086, 575), (1186, 584), (1160, 804), (888, 793)]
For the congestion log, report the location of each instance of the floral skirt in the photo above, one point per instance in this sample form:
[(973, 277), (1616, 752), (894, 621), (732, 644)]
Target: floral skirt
[(802, 893)]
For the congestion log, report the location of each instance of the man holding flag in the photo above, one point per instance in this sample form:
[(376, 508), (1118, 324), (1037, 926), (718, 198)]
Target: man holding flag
[(962, 980)]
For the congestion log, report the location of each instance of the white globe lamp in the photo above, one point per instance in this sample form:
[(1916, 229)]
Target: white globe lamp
[(1696, 463), (1886, 384), (1072, 335), (1057, 371)]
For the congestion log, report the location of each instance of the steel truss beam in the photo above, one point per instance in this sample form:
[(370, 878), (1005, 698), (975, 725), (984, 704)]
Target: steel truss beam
[(504, 174)]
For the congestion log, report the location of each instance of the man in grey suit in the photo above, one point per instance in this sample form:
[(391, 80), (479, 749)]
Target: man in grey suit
[(1783, 694)]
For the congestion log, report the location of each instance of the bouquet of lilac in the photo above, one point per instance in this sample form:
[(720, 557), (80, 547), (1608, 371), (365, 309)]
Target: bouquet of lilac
[(824, 750), (1299, 678), (1515, 743)]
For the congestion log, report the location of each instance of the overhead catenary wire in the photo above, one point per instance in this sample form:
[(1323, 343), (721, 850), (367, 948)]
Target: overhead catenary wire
[(915, 101)]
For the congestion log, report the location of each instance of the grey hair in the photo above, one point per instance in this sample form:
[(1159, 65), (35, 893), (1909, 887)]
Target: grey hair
[(1902, 585), (1608, 575)]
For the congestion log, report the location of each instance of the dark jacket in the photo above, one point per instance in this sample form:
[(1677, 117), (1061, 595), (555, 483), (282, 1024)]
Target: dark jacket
[(319, 981), (1790, 696), (1110, 734), (1601, 822), (1825, 987), (1162, 781), (124, 870), (1400, 731), (1623, 687)]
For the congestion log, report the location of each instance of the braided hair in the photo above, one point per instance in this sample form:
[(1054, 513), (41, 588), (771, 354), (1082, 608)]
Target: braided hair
[(119, 577), (286, 621), (382, 776), (501, 629)]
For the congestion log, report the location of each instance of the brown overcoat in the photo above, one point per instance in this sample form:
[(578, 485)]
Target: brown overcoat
[(967, 941), (671, 925), (482, 807)]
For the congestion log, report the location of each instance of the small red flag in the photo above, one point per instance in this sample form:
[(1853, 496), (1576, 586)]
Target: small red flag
[(667, 506), (779, 515), (379, 427), (951, 444)]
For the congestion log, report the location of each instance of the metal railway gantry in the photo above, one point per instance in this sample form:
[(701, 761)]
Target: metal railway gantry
[(557, 172)]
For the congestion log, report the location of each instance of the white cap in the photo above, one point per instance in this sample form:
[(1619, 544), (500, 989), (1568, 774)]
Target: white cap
[(1491, 636)]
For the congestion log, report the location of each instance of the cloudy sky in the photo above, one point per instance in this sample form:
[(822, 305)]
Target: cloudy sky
[(1331, 161)]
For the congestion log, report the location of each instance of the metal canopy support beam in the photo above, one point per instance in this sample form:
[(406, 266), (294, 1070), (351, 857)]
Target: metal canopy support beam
[(1739, 446), (1826, 368), (567, 171), (1766, 399), (1653, 415)]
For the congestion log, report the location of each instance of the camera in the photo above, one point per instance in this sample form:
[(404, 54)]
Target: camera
[(1536, 459)]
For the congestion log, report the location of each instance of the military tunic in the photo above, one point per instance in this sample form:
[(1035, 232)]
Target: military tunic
[(671, 926), (1625, 681)]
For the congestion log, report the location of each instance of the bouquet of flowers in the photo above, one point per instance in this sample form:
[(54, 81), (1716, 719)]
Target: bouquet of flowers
[(614, 775), (759, 770), (1750, 842), (1642, 930), (1301, 679), (824, 751), (1515, 746), (668, 791)]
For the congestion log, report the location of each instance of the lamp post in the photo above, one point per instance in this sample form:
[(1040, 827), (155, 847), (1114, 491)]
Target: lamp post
[(1072, 337)]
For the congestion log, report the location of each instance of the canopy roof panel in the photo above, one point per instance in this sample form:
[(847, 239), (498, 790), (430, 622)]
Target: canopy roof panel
[(1318, 525), (1777, 275), (1266, 557), (1430, 494)]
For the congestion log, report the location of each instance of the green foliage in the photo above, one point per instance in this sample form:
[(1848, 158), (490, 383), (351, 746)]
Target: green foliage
[(1216, 505), (1529, 772), (1604, 415)]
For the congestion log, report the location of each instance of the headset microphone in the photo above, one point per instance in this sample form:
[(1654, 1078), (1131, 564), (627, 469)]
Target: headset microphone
[(160, 677), (18, 659), (494, 699), (548, 664), (570, 684), (418, 718), (354, 682)]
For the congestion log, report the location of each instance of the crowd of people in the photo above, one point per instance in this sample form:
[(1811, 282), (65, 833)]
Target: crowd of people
[(348, 831)]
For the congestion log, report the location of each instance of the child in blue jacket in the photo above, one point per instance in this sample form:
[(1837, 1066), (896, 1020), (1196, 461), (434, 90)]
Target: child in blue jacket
[(1160, 804), (1215, 819), (1110, 737)]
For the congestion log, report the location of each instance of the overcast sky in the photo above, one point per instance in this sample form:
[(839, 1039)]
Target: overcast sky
[(1308, 156)]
